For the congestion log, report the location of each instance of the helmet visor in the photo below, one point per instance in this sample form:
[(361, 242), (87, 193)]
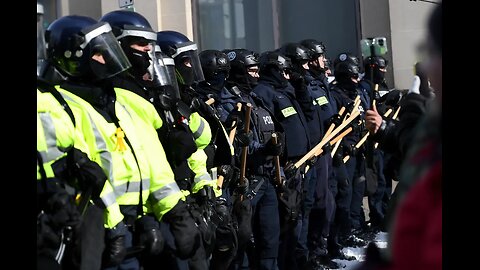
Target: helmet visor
[(108, 58), (169, 66), (187, 55), (156, 71)]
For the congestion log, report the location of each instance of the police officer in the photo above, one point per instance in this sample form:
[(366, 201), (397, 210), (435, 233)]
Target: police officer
[(317, 76), (316, 179), (260, 170), (189, 73), (216, 66), (374, 83), (117, 125), (218, 149), (148, 78), (344, 90), (282, 99), (60, 165)]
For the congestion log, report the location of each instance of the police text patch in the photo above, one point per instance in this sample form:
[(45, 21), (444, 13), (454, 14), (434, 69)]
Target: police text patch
[(322, 100), (288, 111)]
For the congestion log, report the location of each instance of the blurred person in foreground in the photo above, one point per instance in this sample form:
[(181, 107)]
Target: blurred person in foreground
[(416, 233)]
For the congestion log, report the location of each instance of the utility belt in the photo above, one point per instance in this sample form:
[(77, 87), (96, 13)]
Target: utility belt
[(264, 170)]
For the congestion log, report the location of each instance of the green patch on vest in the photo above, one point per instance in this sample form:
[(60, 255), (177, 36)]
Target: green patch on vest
[(322, 100), (288, 111)]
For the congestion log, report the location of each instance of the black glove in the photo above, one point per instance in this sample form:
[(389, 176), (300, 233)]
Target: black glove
[(244, 138), (327, 148), (149, 235), (350, 150), (78, 166), (242, 189), (226, 171), (337, 159), (311, 161), (357, 126), (181, 145), (115, 250), (290, 171), (184, 230), (297, 81), (204, 195), (221, 209), (234, 116), (273, 149), (153, 241), (335, 119), (201, 107)]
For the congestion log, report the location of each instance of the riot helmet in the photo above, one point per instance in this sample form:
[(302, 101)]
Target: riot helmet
[(375, 69), (346, 65), (244, 67), (298, 54), (184, 53), (317, 52), (81, 48), (138, 40), (274, 59), (316, 47), (215, 67), (275, 67)]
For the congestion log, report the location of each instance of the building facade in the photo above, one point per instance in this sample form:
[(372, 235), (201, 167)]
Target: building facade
[(262, 25)]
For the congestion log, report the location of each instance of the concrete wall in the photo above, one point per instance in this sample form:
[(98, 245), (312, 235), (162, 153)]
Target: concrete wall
[(162, 14), (408, 22), (91, 8), (332, 22)]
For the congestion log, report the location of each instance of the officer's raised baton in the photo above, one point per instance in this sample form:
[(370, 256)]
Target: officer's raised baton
[(276, 161), (243, 163), (319, 146)]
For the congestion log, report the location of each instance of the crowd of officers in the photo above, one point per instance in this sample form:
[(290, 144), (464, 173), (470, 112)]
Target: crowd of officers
[(152, 155)]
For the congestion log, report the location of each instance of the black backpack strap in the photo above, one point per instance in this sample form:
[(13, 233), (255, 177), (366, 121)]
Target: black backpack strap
[(43, 174), (45, 86)]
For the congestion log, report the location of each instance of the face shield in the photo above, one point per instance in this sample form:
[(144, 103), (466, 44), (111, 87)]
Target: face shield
[(188, 64), (169, 65), (139, 45), (107, 58), (156, 71), (41, 51)]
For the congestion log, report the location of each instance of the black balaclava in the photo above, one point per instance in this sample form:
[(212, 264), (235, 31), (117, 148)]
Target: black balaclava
[(140, 60), (217, 81), (240, 78), (274, 76), (345, 82), (378, 76), (184, 74)]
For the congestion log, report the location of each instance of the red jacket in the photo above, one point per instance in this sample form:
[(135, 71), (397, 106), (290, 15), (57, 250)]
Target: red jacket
[(417, 235)]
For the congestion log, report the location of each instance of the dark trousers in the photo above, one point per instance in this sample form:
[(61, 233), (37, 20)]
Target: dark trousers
[(265, 228), (309, 185), (341, 189), (289, 236), (375, 201), (323, 210), (356, 172)]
